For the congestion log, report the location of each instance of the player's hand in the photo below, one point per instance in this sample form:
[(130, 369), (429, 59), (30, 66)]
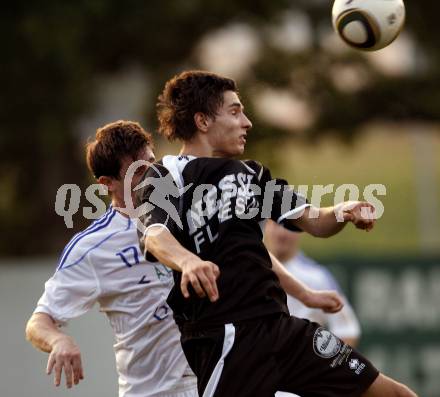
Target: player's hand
[(360, 213), (327, 301), (65, 355), (202, 275)]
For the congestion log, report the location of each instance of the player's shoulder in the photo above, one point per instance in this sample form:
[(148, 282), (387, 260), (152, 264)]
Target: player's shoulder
[(88, 239), (261, 171), (169, 168), (192, 165), (254, 165), (158, 168)]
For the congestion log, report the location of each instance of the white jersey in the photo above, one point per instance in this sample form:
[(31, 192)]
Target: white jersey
[(104, 264), (343, 324)]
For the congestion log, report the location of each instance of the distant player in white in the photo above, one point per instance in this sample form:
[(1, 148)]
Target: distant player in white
[(103, 264), (284, 245)]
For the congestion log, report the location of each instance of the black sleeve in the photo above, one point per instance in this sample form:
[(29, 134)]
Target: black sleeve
[(157, 202), (280, 202)]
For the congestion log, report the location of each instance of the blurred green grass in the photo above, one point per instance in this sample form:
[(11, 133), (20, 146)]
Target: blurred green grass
[(377, 157)]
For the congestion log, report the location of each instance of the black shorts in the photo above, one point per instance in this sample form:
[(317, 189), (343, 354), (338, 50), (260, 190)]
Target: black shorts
[(258, 357)]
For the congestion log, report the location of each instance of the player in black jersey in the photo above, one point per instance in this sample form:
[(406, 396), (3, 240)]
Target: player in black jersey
[(204, 218)]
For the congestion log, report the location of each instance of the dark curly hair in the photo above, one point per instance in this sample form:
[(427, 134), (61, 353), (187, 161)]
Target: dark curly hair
[(112, 143), (187, 94)]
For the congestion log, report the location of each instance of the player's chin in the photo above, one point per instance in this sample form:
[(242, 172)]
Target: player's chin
[(239, 149)]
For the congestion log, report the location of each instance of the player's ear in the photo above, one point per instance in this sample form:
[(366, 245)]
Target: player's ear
[(107, 181), (201, 121)]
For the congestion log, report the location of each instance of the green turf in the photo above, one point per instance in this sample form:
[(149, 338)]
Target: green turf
[(379, 158)]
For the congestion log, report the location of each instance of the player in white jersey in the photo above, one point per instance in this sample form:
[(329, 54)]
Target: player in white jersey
[(284, 245), (103, 264)]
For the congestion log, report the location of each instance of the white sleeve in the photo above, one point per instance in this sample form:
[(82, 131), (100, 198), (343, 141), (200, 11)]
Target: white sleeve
[(70, 292), (344, 324)]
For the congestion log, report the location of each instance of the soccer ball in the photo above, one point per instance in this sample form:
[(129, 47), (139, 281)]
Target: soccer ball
[(368, 25)]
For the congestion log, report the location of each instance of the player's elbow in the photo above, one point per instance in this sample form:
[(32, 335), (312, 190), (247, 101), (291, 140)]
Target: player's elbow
[(35, 326), (154, 239), (30, 329), (152, 244)]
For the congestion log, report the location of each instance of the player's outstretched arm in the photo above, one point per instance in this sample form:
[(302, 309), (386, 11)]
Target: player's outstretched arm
[(325, 222), (202, 275), (64, 354), (328, 301)]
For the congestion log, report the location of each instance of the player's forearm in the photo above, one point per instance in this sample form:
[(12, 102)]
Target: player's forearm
[(328, 301), (290, 284), (42, 332), (166, 249), (321, 222)]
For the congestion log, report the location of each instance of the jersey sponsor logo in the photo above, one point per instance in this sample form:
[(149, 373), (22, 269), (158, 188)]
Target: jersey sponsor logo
[(206, 201), (129, 256), (325, 344), (356, 366), (235, 194)]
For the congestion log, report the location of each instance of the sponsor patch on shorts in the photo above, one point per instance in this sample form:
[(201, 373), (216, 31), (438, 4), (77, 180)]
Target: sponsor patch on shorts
[(325, 344)]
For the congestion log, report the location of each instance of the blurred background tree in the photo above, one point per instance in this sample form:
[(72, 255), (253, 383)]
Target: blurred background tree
[(56, 55), (322, 115)]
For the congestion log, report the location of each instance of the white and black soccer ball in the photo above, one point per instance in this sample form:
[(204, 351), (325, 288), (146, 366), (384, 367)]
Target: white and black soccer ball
[(368, 25)]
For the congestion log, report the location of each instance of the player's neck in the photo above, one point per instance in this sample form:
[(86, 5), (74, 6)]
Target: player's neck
[(197, 149), (200, 146), (119, 205), (287, 256)]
